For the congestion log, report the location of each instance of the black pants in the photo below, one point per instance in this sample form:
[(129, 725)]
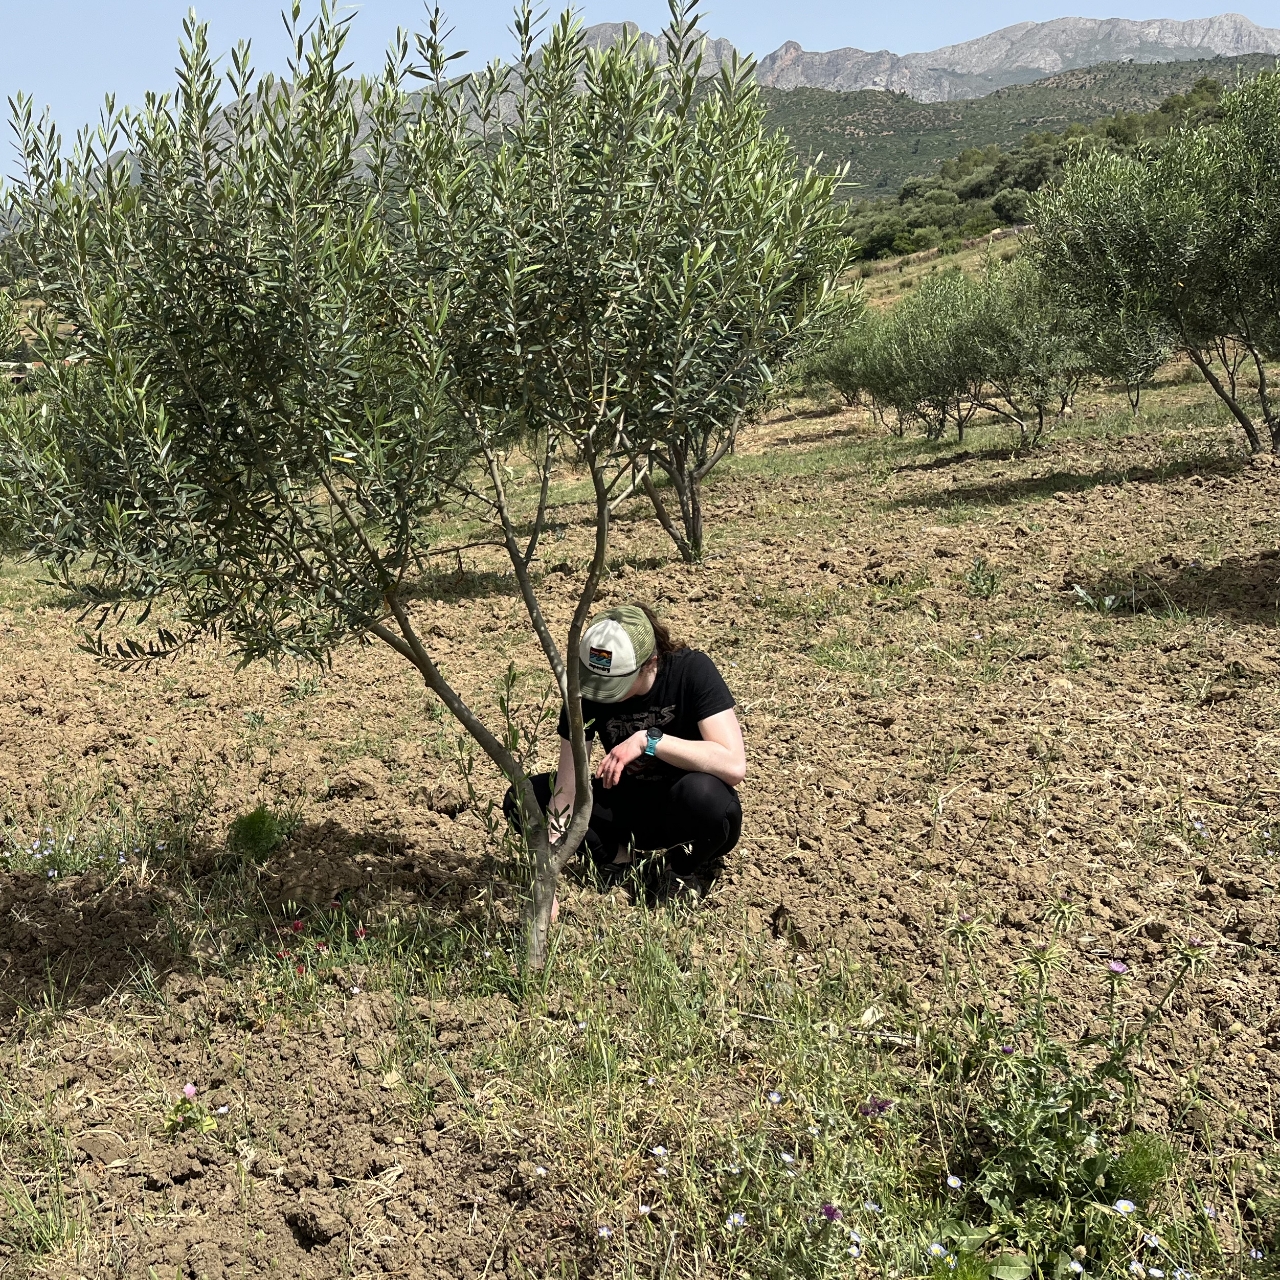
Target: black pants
[(695, 810)]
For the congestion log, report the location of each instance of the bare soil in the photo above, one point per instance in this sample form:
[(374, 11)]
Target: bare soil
[(938, 722)]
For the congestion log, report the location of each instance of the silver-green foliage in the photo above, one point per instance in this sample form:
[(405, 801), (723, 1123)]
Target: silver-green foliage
[(957, 344), (10, 325), (1029, 359), (245, 427), (919, 361), (749, 253), (1182, 249)]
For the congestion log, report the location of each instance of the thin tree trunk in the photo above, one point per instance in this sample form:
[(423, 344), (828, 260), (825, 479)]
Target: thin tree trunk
[(540, 520), (664, 519), (546, 877), (695, 518), (1251, 434), (548, 859), (1264, 400), (679, 476)]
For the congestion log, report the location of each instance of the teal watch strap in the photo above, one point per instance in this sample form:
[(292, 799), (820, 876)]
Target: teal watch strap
[(651, 747)]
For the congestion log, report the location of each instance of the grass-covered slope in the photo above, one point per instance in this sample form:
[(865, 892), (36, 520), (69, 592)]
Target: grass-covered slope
[(886, 138)]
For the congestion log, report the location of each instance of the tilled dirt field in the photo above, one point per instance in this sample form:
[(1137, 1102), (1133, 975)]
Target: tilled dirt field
[(971, 683)]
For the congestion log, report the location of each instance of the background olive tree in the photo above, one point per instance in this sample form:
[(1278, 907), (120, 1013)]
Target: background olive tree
[(1000, 342), (916, 363), (1184, 247), (1028, 358), (745, 254)]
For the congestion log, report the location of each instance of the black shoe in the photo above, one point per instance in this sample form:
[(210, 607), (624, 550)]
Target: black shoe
[(612, 875), (675, 880)]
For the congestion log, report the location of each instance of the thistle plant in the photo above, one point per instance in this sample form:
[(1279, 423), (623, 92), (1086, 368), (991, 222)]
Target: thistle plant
[(1045, 1147)]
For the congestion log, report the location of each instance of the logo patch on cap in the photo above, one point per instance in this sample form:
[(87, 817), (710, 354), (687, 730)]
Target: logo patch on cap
[(601, 661)]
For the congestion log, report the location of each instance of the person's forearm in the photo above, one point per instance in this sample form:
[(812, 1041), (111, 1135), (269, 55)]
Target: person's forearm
[(702, 757)]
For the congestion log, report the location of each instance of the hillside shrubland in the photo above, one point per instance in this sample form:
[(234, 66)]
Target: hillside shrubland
[(987, 187), (884, 138)]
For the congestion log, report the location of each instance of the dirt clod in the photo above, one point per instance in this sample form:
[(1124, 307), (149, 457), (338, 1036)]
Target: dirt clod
[(315, 1223)]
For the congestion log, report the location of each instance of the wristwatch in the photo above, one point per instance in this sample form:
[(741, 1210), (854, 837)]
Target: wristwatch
[(651, 746)]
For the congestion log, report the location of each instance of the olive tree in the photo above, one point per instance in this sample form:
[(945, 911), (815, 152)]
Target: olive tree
[(1124, 347), (746, 252), (921, 360), (1184, 245), (999, 342), (305, 317), (541, 265), (1028, 358)]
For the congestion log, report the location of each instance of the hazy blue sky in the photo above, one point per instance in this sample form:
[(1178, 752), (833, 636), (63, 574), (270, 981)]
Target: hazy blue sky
[(68, 53)]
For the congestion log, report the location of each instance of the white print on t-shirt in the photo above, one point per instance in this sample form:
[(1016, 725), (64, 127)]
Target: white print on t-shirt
[(619, 727)]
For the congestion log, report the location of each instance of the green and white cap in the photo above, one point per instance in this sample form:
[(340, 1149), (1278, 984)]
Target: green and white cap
[(614, 647)]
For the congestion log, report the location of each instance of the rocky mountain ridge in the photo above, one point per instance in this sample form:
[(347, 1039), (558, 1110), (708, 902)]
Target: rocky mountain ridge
[(1019, 54)]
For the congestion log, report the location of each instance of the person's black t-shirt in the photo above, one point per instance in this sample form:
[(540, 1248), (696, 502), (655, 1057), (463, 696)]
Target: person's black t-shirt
[(688, 688)]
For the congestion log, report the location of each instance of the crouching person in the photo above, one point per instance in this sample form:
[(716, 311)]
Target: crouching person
[(673, 752)]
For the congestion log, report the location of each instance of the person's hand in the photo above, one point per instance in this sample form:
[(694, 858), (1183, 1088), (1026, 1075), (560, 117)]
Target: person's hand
[(629, 749)]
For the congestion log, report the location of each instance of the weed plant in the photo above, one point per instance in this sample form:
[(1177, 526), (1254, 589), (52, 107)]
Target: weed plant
[(982, 579), (254, 836)]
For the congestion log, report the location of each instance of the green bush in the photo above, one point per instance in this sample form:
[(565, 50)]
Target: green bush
[(255, 836), (1042, 1134), (841, 367)]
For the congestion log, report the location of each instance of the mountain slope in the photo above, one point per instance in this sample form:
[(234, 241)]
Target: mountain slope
[(1019, 54), (885, 138), (604, 34)]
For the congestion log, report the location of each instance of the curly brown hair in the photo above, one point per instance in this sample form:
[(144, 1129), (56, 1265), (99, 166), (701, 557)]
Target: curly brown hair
[(663, 643)]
